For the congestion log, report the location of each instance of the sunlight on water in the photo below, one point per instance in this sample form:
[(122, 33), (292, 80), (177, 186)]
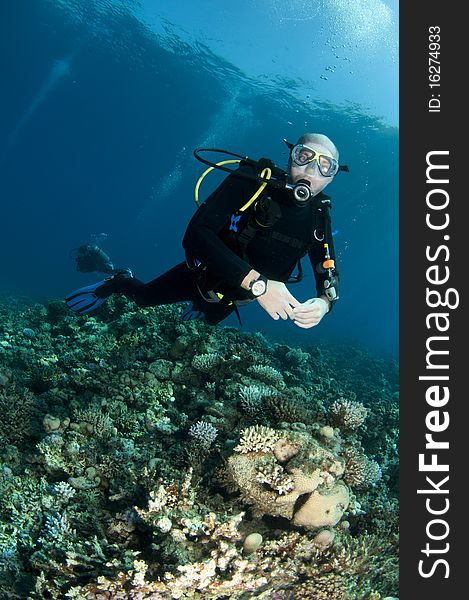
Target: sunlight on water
[(296, 10), (369, 22), (366, 21)]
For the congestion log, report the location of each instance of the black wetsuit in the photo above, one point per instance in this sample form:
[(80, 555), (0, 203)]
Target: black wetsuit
[(273, 251)]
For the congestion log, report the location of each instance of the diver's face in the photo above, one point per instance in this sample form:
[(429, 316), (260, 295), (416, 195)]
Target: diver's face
[(310, 172)]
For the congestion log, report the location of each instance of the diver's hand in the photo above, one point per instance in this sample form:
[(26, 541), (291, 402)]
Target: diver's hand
[(277, 301), (310, 313)]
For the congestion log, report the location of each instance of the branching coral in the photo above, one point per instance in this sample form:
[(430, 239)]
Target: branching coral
[(203, 434), (347, 414), (206, 362), (285, 410), (251, 397), (94, 422), (257, 439), (329, 586), (268, 375), (18, 416), (273, 474), (360, 471)]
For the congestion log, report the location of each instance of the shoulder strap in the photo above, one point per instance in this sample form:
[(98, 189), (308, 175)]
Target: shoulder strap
[(328, 237), (320, 221), (321, 228), (262, 215)]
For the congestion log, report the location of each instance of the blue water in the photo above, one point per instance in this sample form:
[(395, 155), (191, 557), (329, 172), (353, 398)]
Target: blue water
[(103, 102)]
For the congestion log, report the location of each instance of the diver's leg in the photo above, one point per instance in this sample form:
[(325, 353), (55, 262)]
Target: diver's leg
[(176, 285)]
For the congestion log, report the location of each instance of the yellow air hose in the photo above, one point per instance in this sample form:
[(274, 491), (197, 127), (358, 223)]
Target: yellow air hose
[(266, 174)]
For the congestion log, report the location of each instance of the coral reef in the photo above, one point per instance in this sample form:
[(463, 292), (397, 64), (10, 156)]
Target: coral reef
[(145, 457)]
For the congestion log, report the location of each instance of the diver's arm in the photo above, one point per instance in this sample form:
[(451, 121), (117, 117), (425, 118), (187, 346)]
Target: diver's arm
[(310, 313), (326, 300), (201, 239), (325, 287), (277, 300)]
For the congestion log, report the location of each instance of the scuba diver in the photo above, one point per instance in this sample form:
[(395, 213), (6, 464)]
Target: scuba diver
[(91, 258), (245, 241)]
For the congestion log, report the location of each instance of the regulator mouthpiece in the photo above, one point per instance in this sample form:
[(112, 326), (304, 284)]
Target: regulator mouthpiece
[(302, 192)]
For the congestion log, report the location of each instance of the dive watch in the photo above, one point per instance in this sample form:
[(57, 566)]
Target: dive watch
[(258, 286)]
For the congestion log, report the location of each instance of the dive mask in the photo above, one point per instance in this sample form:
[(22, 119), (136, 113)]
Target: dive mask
[(304, 155)]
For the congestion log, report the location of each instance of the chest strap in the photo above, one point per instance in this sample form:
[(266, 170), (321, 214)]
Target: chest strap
[(291, 241)]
